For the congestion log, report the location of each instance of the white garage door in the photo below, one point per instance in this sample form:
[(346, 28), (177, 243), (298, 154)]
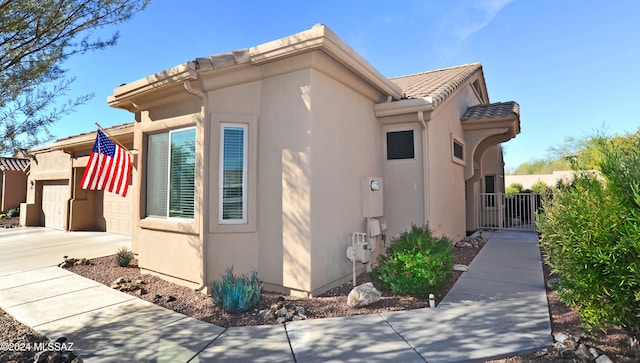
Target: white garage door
[(117, 212), (54, 202)]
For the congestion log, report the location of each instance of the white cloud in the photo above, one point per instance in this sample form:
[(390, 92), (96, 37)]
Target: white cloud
[(478, 17)]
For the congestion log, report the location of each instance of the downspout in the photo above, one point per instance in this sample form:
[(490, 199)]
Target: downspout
[(425, 164), (204, 192)]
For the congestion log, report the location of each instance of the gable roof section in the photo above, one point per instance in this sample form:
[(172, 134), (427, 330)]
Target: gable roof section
[(436, 85), (86, 139), (13, 164), (319, 37), (492, 110)]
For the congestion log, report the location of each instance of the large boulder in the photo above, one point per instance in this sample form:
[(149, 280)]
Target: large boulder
[(363, 295)]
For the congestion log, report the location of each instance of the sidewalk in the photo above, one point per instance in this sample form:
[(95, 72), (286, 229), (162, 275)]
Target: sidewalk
[(497, 308)]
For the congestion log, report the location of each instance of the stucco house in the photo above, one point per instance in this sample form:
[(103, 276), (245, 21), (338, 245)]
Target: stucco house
[(13, 182), (271, 157), (54, 197)]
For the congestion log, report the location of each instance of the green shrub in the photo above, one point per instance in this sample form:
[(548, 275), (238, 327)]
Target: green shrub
[(514, 188), (590, 233), (14, 212), (235, 294), (124, 257), (540, 187), (416, 263)]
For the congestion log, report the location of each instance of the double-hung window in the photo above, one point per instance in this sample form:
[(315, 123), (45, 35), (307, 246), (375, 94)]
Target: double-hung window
[(171, 165), (232, 199)]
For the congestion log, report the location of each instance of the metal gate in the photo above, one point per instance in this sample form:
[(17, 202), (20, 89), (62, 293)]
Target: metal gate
[(508, 211)]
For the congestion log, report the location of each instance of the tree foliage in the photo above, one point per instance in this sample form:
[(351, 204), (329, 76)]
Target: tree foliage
[(591, 236), (36, 37), (583, 154)]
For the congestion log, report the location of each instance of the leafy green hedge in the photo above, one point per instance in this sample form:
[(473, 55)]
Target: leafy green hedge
[(590, 233), (416, 263)]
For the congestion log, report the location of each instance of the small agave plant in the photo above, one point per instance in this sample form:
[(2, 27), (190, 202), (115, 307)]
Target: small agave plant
[(124, 257)]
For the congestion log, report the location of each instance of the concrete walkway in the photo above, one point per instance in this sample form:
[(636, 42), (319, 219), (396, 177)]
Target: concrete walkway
[(498, 308), (27, 248)]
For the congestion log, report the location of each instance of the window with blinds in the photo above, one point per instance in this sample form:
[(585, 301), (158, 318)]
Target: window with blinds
[(171, 164), (233, 174)]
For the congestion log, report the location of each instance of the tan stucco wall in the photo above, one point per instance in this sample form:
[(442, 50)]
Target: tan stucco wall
[(345, 146), (528, 181), (172, 249), (492, 164), (52, 165), (317, 139), (177, 256), (46, 166), (313, 136), (449, 208), (14, 189), (446, 177), (239, 246), (404, 189)]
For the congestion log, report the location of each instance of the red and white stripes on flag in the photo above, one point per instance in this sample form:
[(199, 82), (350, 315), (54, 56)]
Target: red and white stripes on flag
[(108, 168)]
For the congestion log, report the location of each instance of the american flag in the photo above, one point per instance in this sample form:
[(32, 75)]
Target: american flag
[(108, 168)]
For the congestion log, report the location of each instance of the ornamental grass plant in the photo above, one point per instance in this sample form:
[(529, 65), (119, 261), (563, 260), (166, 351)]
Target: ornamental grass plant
[(236, 293)]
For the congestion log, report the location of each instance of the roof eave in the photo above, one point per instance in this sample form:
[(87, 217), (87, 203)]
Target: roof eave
[(322, 38), (125, 96), (123, 133)]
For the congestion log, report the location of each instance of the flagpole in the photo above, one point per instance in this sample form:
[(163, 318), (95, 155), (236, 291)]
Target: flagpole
[(113, 139)]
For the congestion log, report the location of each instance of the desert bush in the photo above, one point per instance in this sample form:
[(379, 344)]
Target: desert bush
[(124, 257), (236, 293), (416, 263), (590, 233), (13, 212), (514, 188), (540, 187)]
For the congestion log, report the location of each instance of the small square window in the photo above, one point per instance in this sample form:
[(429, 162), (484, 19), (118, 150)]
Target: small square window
[(458, 150), (400, 145)]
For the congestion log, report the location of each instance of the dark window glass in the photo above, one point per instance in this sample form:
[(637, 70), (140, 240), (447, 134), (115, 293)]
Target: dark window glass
[(458, 150), (400, 145)]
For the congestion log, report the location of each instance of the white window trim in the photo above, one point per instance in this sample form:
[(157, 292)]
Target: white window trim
[(245, 152)]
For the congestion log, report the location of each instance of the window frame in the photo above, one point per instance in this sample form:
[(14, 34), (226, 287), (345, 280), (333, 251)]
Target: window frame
[(398, 132), (245, 166), (167, 216), (454, 158)]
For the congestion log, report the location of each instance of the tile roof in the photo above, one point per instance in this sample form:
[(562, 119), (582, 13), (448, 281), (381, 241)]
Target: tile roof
[(500, 109), (13, 164), (437, 84), (108, 129)]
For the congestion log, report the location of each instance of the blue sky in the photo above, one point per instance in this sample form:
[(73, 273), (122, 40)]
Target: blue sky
[(571, 65)]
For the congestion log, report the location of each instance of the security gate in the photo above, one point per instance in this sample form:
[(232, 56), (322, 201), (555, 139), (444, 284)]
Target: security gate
[(508, 211)]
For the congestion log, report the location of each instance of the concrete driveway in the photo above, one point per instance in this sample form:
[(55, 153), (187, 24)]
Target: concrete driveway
[(28, 248)]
